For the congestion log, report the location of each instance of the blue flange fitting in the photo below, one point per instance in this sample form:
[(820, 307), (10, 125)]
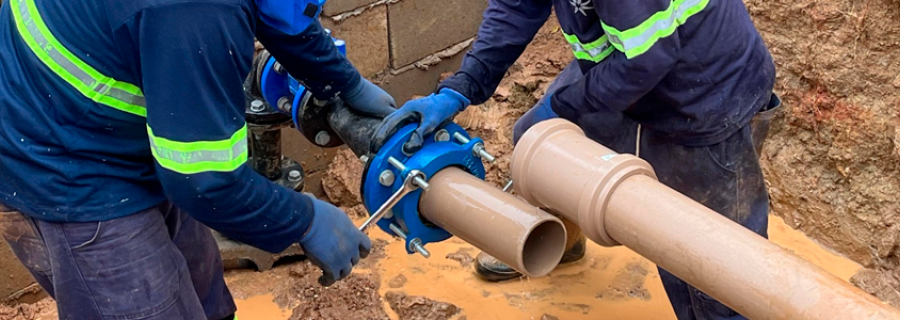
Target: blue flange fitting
[(449, 146), (288, 96)]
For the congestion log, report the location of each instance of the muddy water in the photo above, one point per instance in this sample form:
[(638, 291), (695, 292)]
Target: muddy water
[(611, 283)]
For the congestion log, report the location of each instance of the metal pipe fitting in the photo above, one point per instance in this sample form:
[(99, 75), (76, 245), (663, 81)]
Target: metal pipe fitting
[(615, 198)]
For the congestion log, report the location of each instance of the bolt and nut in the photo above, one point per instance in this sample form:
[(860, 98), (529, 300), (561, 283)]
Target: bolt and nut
[(295, 175), (442, 135), (257, 106), (323, 138), (386, 178)]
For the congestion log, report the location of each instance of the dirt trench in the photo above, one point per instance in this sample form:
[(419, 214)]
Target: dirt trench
[(831, 161)]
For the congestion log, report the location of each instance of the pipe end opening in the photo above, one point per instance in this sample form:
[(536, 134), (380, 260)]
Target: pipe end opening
[(543, 248)]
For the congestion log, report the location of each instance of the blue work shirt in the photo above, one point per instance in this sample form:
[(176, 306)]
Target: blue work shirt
[(65, 158), (694, 70)]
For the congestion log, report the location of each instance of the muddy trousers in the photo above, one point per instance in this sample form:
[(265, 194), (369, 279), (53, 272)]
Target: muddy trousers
[(726, 177), (155, 264)]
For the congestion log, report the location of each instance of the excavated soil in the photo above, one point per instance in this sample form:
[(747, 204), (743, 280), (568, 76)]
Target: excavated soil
[(419, 308), (26, 311), (831, 161)]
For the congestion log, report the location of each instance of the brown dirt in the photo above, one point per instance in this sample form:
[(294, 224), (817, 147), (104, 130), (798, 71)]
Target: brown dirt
[(525, 83), (831, 161), (355, 297), (25, 311), (419, 308), (463, 256), (628, 283), (397, 282), (342, 181)]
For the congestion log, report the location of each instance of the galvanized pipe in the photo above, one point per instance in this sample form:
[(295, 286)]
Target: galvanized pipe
[(616, 199), (513, 231)]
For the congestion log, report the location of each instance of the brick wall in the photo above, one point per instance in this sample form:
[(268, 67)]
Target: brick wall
[(402, 45)]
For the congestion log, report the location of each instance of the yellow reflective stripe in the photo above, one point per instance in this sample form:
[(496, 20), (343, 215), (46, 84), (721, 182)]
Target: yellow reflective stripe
[(200, 156), (595, 51), (86, 80), (636, 41)]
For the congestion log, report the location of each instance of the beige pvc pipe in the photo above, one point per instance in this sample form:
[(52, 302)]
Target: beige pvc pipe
[(617, 199), (506, 227)]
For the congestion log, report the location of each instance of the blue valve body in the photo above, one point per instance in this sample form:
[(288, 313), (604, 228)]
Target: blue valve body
[(276, 85), (433, 157)]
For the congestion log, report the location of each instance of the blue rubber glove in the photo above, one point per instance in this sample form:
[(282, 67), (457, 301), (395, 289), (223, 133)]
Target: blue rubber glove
[(430, 112), (333, 243), (369, 99), (540, 112)]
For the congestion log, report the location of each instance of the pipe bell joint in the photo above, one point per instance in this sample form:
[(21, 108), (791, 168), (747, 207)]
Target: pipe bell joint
[(581, 189)]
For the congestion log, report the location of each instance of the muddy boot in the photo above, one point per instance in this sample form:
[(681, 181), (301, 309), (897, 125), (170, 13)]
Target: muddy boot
[(490, 269)]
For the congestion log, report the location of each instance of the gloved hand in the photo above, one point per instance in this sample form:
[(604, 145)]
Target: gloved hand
[(542, 111), (333, 242), (431, 112), (369, 99)]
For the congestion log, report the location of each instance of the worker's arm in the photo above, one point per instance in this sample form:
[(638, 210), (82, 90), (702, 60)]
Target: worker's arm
[(194, 57), (507, 29), (645, 35), (312, 58)]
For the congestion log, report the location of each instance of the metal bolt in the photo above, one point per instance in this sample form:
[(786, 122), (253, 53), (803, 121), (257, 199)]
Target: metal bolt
[(294, 175), (416, 245), (508, 186), (323, 138), (285, 104), (278, 68), (396, 163), (442, 135), (460, 137), (479, 150), (421, 183), (257, 106), (397, 230), (386, 178)]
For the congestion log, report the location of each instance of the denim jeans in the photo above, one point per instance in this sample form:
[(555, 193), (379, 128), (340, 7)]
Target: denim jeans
[(155, 264)]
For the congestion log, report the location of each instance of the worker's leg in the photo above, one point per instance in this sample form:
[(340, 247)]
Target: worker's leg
[(725, 177), (204, 262), (126, 268)]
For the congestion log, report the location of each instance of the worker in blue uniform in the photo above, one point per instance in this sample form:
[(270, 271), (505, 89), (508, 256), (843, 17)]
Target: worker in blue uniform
[(122, 134), (675, 81)]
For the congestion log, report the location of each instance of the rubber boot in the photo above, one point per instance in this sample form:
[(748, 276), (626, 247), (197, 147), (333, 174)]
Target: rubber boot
[(490, 269)]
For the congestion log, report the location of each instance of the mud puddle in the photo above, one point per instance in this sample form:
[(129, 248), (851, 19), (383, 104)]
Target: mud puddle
[(611, 283)]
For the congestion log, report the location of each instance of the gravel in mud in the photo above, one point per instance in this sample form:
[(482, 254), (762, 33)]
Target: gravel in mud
[(419, 308), (25, 311)]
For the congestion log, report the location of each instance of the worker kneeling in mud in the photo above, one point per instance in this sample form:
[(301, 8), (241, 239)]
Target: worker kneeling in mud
[(675, 82), (123, 134)]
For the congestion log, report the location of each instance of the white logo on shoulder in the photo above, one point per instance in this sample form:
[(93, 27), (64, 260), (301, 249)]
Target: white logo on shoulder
[(581, 6)]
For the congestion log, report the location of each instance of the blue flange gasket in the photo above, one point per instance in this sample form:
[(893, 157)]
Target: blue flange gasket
[(433, 157)]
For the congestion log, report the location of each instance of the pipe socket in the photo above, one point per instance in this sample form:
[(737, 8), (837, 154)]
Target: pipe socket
[(513, 231), (616, 199), (556, 168)]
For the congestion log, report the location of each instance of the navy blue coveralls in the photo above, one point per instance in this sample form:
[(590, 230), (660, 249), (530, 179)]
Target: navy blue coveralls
[(112, 109), (691, 73)]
